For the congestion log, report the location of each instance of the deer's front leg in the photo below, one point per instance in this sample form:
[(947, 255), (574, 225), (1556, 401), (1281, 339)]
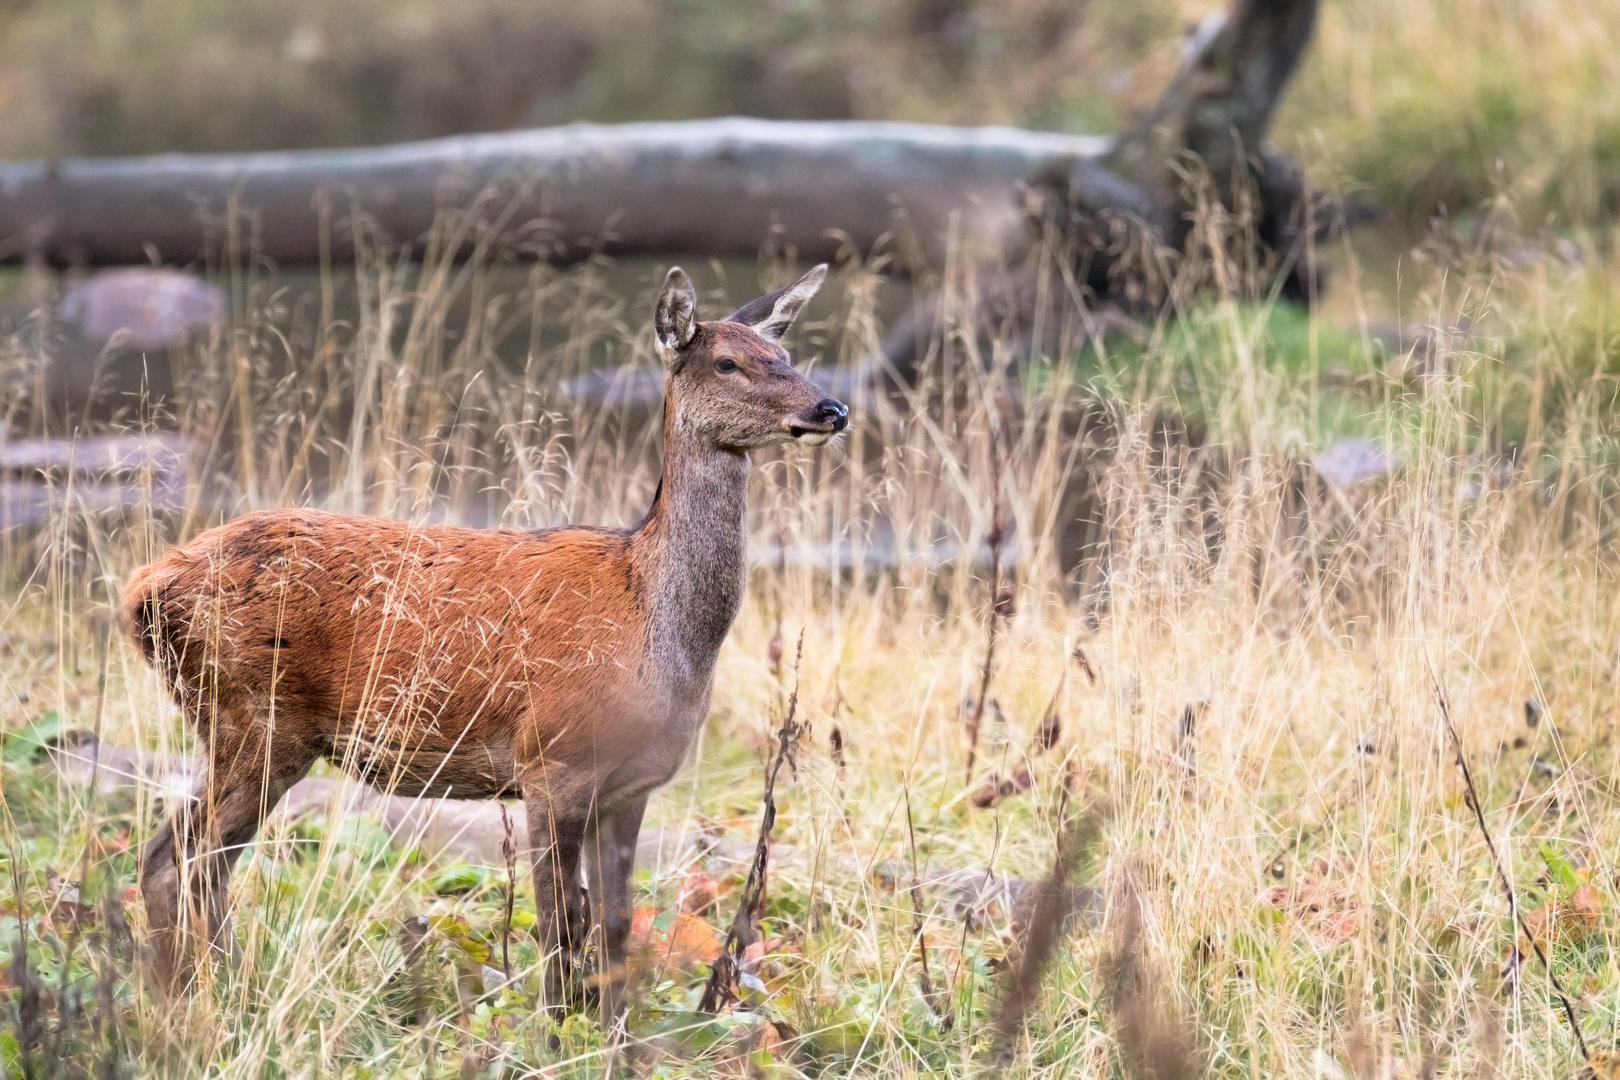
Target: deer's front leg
[(610, 854), (556, 831)]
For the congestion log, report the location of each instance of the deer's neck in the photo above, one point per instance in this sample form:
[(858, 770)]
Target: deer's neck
[(692, 553)]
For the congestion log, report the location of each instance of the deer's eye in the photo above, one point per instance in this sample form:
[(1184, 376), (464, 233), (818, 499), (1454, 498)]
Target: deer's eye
[(724, 366)]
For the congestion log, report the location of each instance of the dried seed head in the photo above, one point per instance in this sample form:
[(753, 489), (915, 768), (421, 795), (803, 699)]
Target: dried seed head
[(1080, 658), (1051, 729), (988, 793)]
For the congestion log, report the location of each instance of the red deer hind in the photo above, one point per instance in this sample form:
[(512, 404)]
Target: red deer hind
[(571, 666)]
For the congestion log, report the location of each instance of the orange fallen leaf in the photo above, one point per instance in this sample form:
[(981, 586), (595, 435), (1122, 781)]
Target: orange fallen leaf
[(1605, 1065), (761, 950), (1567, 920), (994, 789), (675, 937), (698, 892), (749, 1047), (1331, 927), (1328, 916), (1586, 906)]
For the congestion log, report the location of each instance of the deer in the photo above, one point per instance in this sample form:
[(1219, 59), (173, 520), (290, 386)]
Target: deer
[(570, 667)]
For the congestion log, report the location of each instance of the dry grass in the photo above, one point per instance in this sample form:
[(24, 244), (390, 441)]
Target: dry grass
[(1295, 882), (1306, 889)]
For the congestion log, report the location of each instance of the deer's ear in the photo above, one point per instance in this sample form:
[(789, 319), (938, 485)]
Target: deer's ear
[(675, 316), (772, 314)]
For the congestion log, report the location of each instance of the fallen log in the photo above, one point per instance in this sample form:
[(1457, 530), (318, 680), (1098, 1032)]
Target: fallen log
[(696, 188)]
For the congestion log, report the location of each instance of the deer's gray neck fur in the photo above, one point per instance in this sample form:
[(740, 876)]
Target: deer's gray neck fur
[(693, 550)]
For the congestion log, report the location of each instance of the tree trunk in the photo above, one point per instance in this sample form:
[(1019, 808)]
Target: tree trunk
[(1204, 140)]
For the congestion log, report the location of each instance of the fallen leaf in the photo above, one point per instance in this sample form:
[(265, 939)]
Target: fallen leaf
[(994, 788), (1586, 905), (988, 794), (676, 937), (1327, 916), (1571, 920), (698, 892), (1604, 1065), (1332, 927), (455, 880), (750, 1044), (461, 935)]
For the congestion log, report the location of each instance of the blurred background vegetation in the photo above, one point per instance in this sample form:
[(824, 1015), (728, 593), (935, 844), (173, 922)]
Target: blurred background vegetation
[(1435, 107)]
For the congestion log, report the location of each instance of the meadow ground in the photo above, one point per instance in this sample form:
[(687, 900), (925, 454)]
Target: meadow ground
[(1248, 760), (1214, 693)]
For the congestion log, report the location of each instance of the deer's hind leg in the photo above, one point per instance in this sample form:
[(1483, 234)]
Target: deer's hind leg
[(186, 867)]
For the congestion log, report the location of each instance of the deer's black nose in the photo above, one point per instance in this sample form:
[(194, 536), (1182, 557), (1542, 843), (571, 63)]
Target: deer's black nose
[(834, 412)]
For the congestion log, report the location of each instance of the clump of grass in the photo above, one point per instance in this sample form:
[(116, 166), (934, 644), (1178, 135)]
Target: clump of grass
[(1505, 105)]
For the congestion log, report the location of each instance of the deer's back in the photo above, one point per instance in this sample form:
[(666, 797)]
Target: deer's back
[(388, 641)]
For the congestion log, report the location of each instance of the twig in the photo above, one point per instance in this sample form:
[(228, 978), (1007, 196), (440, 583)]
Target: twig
[(1186, 748), (413, 944), (91, 839), (987, 672), (509, 854), (994, 789), (741, 934), (1079, 657), (937, 1002), (1501, 874), (1051, 729)]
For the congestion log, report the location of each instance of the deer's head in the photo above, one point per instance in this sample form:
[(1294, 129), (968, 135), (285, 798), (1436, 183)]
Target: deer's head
[(731, 384)]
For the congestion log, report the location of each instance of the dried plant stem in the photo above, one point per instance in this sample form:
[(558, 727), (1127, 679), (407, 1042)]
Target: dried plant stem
[(938, 1001), (723, 975), (1502, 877), (509, 854), (987, 671)]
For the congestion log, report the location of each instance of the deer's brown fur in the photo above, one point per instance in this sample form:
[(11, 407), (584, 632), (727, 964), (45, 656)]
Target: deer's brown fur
[(571, 666)]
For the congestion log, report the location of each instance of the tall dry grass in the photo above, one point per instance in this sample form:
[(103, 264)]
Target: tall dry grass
[(1279, 838)]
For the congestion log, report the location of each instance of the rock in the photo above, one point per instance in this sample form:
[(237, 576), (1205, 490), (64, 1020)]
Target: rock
[(153, 308), (39, 477), (77, 757), (1352, 461)]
